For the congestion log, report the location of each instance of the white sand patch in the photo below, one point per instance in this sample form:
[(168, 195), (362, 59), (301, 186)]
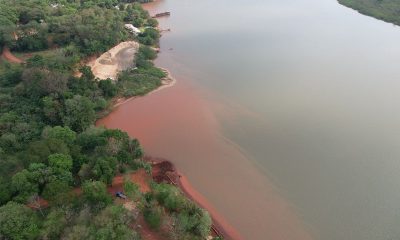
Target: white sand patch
[(117, 59)]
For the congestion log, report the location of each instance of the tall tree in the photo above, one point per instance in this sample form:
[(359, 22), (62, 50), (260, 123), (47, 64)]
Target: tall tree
[(95, 193), (18, 222), (79, 113)]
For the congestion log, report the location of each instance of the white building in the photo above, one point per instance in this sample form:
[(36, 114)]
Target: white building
[(132, 29)]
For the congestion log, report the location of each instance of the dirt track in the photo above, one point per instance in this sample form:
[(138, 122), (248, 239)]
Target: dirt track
[(7, 55)]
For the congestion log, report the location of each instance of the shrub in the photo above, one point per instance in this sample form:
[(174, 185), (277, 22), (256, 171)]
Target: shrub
[(95, 193), (147, 52), (153, 216), (134, 84), (169, 196)]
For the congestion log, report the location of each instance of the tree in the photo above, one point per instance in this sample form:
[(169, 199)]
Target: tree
[(79, 113), (8, 15), (9, 142), (7, 121), (153, 215), (54, 83), (12, 75), (18, 222), (108, 87), (32, 82), (60, 162), (52, 109), (95, 193), (22, 186), (193, 220), (91, 138), (57, 192), (149, 36), (53, 225), (147, 52), (152, 22), (87, 73), (113, 223), (132, 190), (169, 196), (78, 232), (39, 173), (63, 133), (39, 151), (32, 37), (136, 149), (5, 191), (203, 226), (104, 169), (61, 166), (43, 81)]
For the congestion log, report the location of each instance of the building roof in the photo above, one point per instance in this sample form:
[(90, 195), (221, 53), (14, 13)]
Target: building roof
[(132, 28)]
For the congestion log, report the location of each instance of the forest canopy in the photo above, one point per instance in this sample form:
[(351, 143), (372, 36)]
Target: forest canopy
[(39, 24), (55, 164), (386, 10)]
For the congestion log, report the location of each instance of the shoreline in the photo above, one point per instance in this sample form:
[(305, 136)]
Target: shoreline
[(220, 227), (165, 171), (168, 81)]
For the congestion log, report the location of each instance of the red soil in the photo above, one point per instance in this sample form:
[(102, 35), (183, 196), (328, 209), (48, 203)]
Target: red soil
[(40, 203), (7, 55), (140, 177)]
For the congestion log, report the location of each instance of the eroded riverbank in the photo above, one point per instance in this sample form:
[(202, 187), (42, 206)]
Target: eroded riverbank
[(177, 124), (180, 124)]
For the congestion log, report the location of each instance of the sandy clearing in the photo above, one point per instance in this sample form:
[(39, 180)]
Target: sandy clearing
[(117, 59)]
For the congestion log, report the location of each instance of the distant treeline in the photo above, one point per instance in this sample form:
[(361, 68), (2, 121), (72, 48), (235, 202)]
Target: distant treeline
[(49, 146), (90, 26), (386, 10)]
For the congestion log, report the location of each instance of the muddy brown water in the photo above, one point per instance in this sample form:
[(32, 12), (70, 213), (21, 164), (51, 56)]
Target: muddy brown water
[(177, 124), (285, 115)]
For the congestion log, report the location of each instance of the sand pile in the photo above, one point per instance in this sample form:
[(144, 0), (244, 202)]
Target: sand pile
[(116, 59)]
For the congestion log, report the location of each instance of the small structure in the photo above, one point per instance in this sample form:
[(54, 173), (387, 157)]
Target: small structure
[(163, 14), (56, 5), (132, 29), (120, 195)]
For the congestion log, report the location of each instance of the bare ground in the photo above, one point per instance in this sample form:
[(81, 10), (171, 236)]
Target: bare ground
[(117, 59), (7, 55)]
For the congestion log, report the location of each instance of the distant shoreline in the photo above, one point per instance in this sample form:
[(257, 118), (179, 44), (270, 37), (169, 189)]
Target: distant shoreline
[(367, 8)]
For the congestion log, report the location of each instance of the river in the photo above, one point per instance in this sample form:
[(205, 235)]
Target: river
[(285, 116)]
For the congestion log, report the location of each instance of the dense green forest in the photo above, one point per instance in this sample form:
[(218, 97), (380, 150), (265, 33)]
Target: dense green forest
[(49, 147), (386, 10)]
